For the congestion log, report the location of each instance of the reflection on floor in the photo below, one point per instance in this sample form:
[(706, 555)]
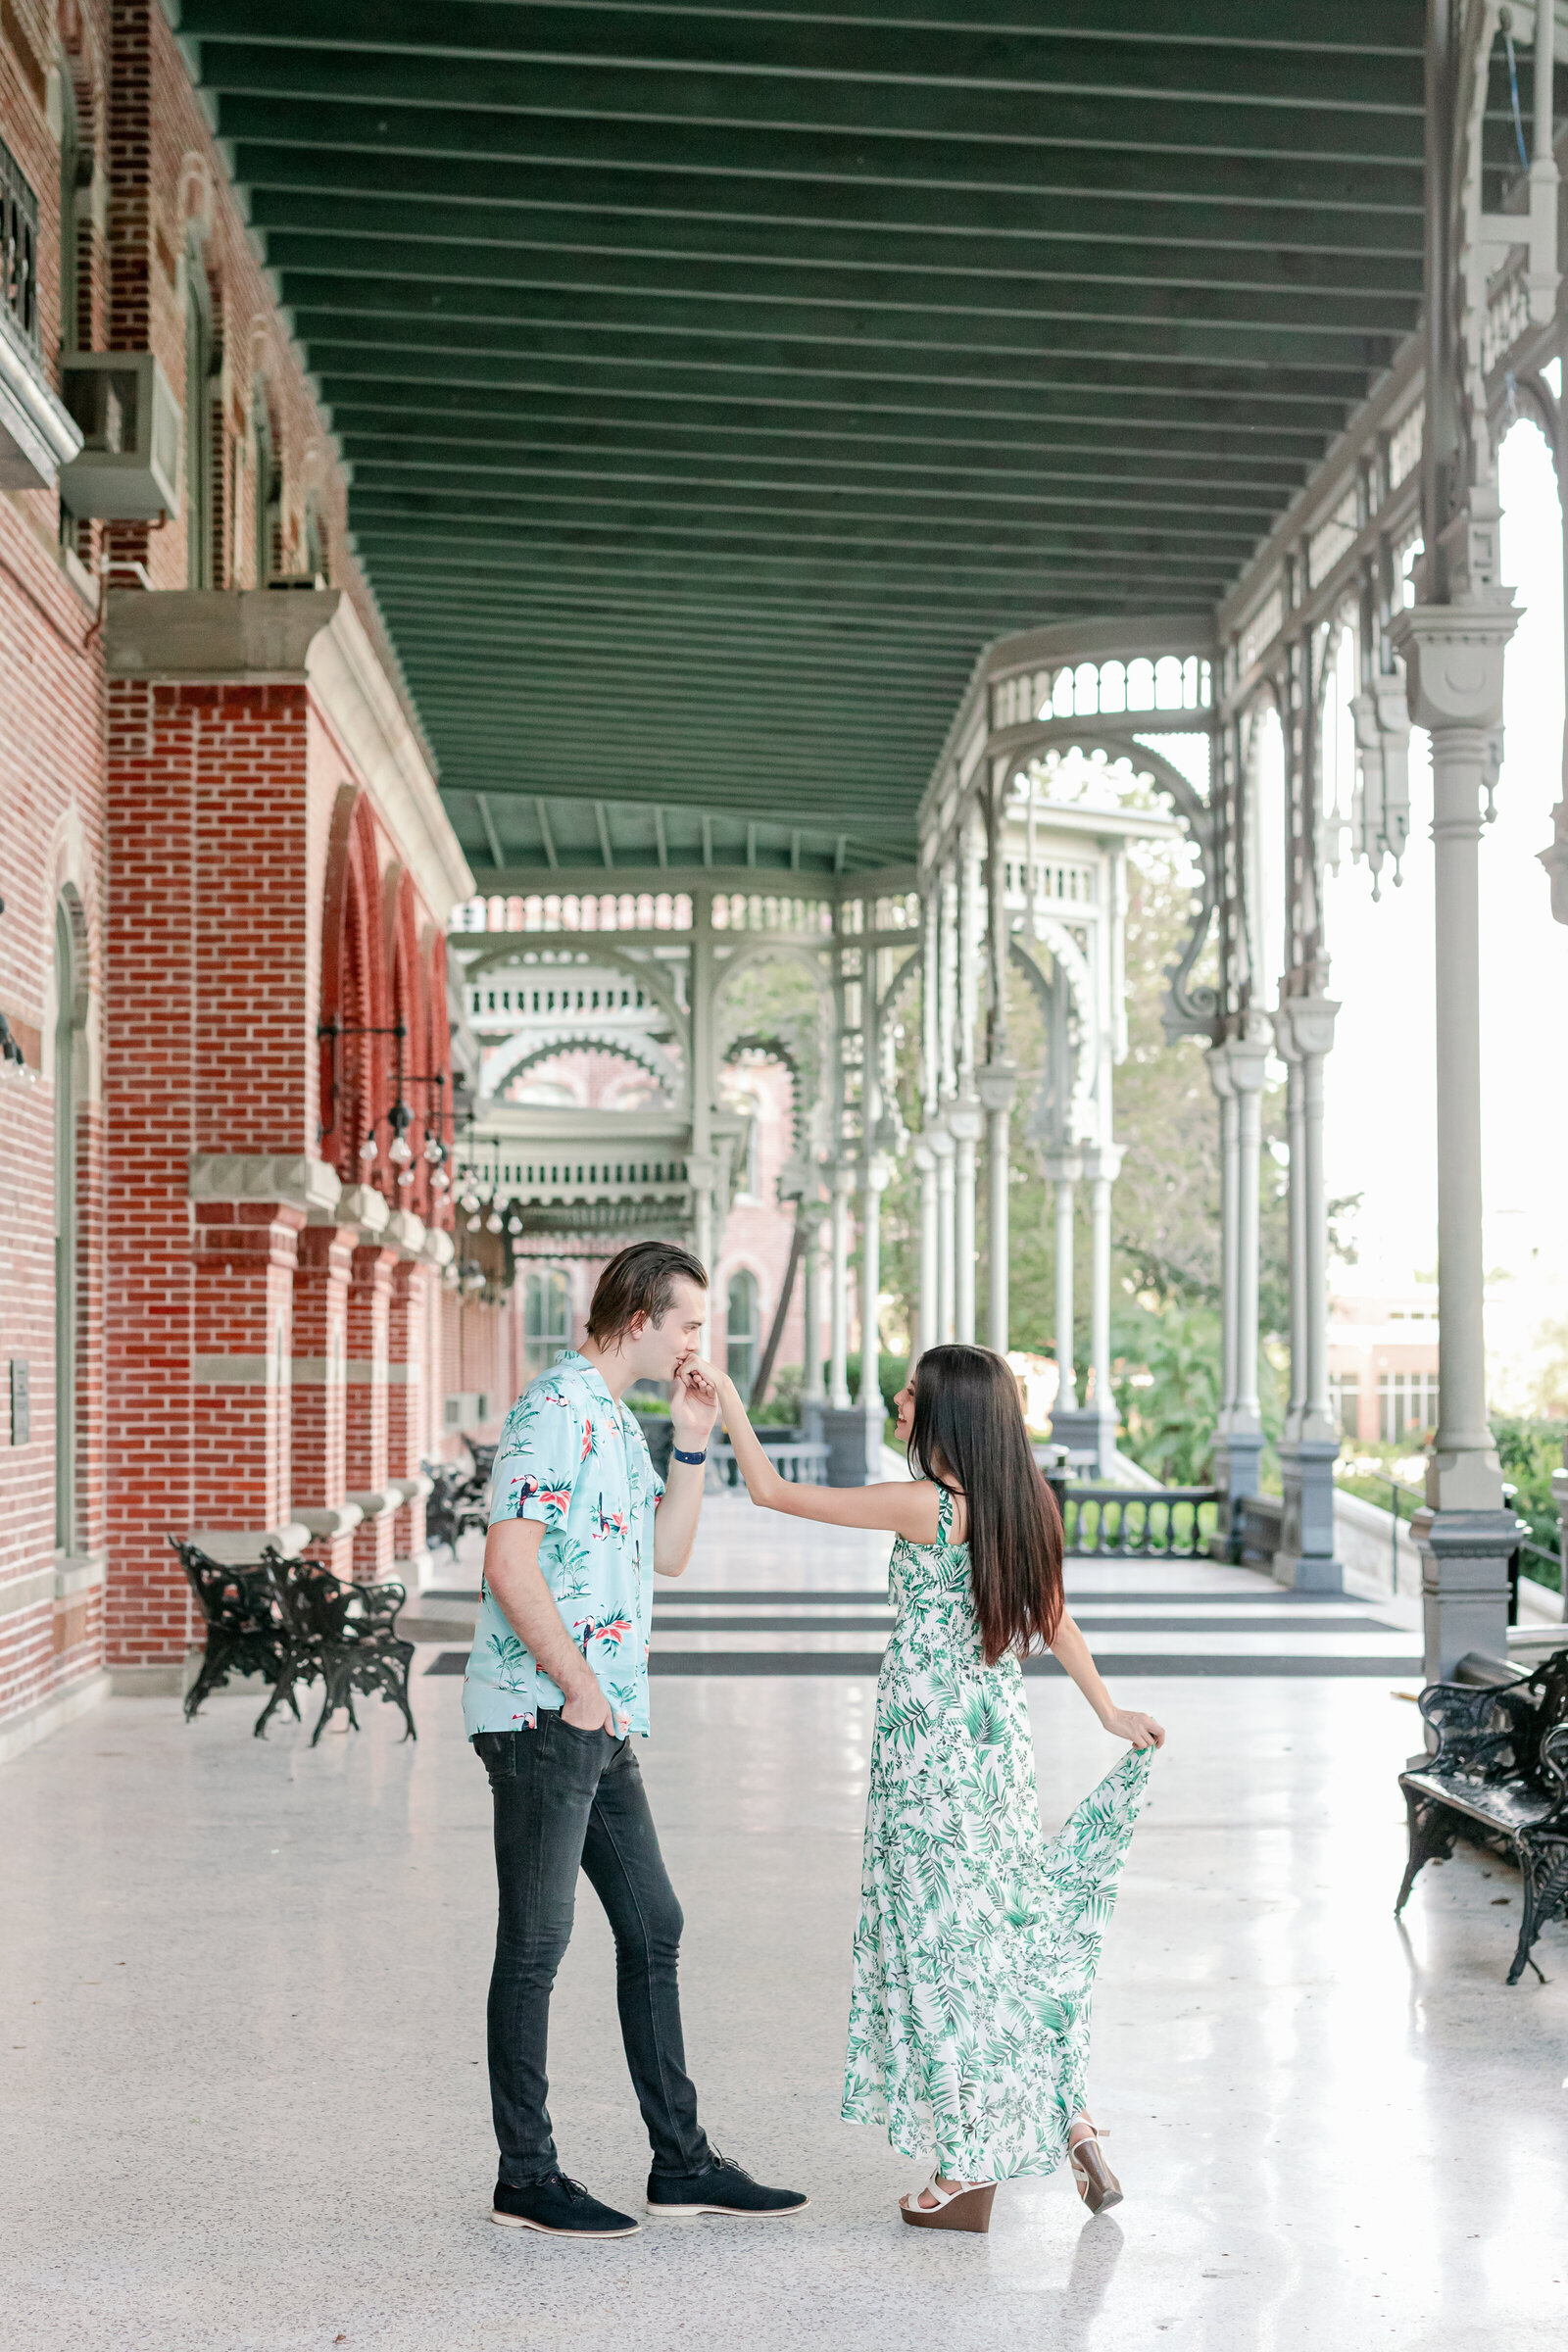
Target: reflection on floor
[(242, 2101)]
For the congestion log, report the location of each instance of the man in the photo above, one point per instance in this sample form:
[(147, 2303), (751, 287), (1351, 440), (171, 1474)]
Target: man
[(557, 1680)]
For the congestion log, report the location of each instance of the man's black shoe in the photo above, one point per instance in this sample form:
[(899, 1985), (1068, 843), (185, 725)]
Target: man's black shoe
[(720, 2187), (561, 2207)]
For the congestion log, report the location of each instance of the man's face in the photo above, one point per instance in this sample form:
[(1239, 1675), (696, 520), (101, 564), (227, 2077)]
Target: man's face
[(662, 1347)]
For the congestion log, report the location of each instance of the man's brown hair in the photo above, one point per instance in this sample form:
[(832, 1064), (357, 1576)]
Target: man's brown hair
[(640, 1281)]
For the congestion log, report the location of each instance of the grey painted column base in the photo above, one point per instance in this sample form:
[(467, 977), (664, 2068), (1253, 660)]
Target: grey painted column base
[(1083, 1430), (843, 1432), (1464, 1585), (1306, 1560), (1237, 1454)]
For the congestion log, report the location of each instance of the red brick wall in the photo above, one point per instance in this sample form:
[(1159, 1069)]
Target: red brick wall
[(193, 830)]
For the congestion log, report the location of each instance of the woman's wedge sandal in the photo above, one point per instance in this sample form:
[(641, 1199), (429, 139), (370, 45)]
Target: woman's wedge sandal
[(955, 2208), (1093, 2177)]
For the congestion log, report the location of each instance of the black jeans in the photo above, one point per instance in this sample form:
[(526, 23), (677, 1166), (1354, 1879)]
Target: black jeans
[(566, 1799)]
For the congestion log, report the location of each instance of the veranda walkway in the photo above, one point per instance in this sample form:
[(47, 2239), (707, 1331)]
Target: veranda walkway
[(244, 2096)]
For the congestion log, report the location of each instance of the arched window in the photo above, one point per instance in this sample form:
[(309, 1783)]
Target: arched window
[(741, 1335), (546, 1318), (203, 367)]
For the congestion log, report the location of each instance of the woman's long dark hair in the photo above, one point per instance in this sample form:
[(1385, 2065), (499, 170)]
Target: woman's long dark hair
[(969, 1437)]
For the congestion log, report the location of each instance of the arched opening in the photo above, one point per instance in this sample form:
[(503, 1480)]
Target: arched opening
[(269, 550), (70, 979), (202, 365), (546, 1318)]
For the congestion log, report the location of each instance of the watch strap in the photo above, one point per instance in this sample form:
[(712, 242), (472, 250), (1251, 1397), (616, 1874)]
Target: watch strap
[(676, 1456)]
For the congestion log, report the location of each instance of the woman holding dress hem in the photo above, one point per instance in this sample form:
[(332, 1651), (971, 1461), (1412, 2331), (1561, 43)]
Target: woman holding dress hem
[(975, 1954)]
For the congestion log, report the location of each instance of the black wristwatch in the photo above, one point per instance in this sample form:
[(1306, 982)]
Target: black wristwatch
[(676, 1456)]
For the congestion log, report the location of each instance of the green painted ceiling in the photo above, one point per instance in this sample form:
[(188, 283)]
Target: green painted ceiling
[(717, 381)]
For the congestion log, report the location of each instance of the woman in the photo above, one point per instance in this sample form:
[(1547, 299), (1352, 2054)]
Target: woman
[(975, 1954)]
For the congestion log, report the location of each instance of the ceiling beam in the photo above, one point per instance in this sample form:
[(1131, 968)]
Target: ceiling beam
[(1002, 220), (1208, 152)]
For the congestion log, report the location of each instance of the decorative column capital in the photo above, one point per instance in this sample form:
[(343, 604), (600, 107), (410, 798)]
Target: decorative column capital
[(1102, 1163), (940, 1140), (1304, 1025), (1453, 658), (998, 1082), (1239, 1065), (923, 1153), (1063, 1167), (966, 1119), (846, 1178)]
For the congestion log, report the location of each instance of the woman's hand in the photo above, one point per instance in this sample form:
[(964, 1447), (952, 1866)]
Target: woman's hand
[(693, 1403), (1142, 1730)]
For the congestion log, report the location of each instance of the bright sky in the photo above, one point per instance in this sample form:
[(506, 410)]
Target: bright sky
[(1379, 1134)]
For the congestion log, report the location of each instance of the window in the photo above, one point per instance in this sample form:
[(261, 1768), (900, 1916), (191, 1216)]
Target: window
[(741, 1331), (546, 1318), (1407, 1404), (1345, 1396), (19, 249), (269, 489)]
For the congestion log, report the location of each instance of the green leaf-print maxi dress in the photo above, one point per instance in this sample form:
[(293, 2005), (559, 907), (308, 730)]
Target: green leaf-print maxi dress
[(975, 1954)]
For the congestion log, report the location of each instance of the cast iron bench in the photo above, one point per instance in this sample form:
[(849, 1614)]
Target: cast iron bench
[(246, 1633), (1501, 1777), (346, 1633), (457, 1502)]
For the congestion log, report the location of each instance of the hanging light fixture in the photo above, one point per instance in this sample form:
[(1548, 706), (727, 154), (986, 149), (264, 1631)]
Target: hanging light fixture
[(514, 1224), (440, 1181), (368, 1148)]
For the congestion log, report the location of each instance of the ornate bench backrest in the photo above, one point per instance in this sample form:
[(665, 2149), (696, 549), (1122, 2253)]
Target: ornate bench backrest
[(239, 1601)]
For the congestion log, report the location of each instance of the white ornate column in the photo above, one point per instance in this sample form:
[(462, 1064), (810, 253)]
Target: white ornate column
[(1454, 656), (839, 1399), (966, 1120), (943, 1146), (1303, 1030), (701, 1163), (928, 1322), (1218, 1061), (998, 1090), (874, 1175), (1064, 1170), (1102, 1166), (814, 1389), (1237, 1069)]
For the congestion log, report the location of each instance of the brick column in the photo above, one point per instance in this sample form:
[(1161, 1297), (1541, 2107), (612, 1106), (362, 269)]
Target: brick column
[(369, 1306), (320, 1351), (408, 1349), (244, 1260)]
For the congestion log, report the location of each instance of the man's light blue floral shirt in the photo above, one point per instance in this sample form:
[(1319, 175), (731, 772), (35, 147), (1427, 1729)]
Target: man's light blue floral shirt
[(574, 1459)]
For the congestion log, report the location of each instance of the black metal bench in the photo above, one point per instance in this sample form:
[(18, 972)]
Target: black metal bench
[(246, 1634), (345, 1634), (459, 1501), (1500, 1776)]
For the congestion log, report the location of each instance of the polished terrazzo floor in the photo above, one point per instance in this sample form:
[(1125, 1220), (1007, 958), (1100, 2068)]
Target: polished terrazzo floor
[(243, 2102)]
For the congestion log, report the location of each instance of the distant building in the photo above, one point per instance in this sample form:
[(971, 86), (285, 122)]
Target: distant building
[(1383, 1364)]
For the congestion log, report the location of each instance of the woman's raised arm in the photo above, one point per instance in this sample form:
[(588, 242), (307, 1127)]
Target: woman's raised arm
[(902, 1508)]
